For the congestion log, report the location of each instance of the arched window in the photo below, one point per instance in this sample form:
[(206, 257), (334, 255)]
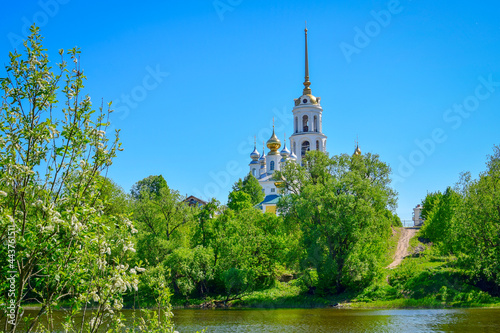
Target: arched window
[(296, 125), (272, 165), (317, 144), (295, 148), (315, 123), (305, 147), (254, 172), (305, 119)]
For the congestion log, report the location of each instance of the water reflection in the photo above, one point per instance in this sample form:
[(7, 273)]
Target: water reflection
[(335, 320), (329, 320)]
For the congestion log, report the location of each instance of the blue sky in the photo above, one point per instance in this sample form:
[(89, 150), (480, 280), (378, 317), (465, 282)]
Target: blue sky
[(193, 81)]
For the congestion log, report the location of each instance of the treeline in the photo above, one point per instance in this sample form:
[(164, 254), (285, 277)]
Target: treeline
[(464, 221), (331, 234), (209, 250)]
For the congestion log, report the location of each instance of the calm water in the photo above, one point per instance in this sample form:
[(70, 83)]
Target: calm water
[(334, 320)]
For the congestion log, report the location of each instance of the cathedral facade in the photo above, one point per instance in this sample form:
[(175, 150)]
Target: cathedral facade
[(307, 135)]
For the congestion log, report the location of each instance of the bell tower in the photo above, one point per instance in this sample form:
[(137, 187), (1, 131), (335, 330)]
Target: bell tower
[(307, 119)]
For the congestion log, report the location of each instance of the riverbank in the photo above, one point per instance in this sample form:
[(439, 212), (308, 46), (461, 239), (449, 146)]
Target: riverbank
[(423, 279)]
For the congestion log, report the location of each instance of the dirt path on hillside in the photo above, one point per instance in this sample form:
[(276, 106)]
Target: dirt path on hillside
[(403, 244)]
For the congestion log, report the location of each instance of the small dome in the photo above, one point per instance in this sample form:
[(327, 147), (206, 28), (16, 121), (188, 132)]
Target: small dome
[(262, 158), (285, 153), (293, 157), (307, 99), (273, 144), (255, 154), (357, 151)]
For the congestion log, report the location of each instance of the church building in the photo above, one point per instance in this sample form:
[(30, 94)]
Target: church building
[(307, 135)]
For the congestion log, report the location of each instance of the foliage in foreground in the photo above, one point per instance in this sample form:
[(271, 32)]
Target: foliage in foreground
[(61, 240)]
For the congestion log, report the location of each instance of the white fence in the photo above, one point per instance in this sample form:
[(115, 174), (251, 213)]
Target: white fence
[(407, 223)]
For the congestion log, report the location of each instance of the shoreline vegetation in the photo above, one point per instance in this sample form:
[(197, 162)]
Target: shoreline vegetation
[(445, 292), (447, 288)]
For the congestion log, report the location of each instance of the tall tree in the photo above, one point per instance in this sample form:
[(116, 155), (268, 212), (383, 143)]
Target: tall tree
[(340, 205), (162, 217), (476, 228), (51, 210)]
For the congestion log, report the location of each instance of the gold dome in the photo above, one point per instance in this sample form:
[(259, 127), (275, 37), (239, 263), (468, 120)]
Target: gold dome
[(273, 144), (357, 151), (280, 184)]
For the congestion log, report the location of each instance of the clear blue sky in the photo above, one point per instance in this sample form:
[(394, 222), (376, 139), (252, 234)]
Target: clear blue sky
[(223, 69)]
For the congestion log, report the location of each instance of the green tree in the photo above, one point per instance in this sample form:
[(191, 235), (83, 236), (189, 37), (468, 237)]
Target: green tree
[(340, 206), (115, 200), (190, 269), (51, 209), (476, 227), (438, 224), (239, 200), (149, 186), (204, 229), (251, 186), (163, 220), (394, 218), (430, 204)]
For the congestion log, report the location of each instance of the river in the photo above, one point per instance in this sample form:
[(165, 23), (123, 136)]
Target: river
[(338, 320), (333, 320)]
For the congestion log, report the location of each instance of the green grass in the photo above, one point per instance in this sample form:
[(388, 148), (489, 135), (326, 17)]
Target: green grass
[(426, 280), (392, 246)]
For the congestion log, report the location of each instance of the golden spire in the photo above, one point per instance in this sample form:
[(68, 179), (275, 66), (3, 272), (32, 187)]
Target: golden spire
[(307, 83)]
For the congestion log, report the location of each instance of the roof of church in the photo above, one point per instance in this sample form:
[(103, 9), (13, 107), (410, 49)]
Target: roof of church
[(271, 199)]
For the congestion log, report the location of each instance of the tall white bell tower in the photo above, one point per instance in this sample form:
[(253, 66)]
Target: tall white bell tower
[(307, 120)]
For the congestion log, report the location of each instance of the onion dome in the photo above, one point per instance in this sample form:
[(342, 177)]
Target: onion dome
[(254, 155), (262, 158), (357, 151), (273, 144), (285, 153), (293, 157)]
